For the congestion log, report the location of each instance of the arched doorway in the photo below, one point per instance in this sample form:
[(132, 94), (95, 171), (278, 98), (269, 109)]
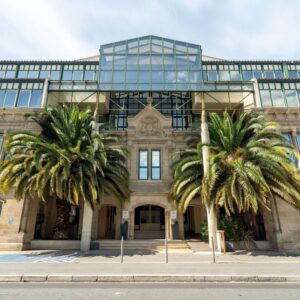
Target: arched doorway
[(149, 222)]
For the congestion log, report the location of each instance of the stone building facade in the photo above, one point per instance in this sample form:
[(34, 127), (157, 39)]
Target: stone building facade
[(150, 90)]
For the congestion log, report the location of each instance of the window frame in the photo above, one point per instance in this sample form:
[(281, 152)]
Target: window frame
[(143, 167), (155, 167), (149, 167)]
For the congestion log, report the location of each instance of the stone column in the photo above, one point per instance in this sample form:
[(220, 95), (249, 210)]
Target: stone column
[(86, 227), (131, 225), (95, 224), (180, 220), (167, 222), (118, 223)]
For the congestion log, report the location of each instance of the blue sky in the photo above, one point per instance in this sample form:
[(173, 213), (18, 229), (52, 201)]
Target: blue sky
[(71, 29)]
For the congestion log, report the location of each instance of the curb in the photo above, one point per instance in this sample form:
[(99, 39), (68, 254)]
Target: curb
[(145, 278)]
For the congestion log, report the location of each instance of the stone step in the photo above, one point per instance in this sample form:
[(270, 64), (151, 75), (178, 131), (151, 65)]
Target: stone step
[(141, 245), (198, 246), (149, 234)]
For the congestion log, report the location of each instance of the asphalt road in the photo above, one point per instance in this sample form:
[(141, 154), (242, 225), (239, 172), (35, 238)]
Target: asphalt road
[(145, 291)]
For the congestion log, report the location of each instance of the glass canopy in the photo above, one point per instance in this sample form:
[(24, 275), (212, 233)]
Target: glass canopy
[(150, 63)]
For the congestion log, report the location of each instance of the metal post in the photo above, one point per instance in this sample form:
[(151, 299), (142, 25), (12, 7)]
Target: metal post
[(213, 250), (122, 245), (166, 246)]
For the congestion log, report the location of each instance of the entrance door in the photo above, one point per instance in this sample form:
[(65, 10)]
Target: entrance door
[(149, 222), (110, 222)]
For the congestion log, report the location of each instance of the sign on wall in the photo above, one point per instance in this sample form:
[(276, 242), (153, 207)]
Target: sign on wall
[(125, 214), (173, 214)]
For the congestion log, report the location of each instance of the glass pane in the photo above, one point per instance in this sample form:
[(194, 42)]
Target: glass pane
[(291, 98), (120, 48), (89, 75), (10, 74), (298, 141), (194, 62), (36, 98), (44, 74), (224, 75), (22, 74), (55, 75), (67, 75), (2, 95), (119, 76), (143, 173), (257, 74), (77, 75), (182, 76), (293, 74), (157, 62), (1, 143), (105, 76), (10, 98), (247, 75), (277, 98), (145, 215), (131, 76), (144, 62), (269, 74), (155, 173), (120, 62), (170, 76), (157, 76), (133, 47), (212, 75), (143, 158), (265, 98), (106, 62), (2, 74), (132, 61), (195, 76), (144, 76), (182, 62), (235, 75), (278, 74), (155, 158), (23, 98), (33, 74)]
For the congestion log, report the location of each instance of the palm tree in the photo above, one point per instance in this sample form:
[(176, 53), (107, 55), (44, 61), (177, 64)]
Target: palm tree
[(67, 160), (249, 163)]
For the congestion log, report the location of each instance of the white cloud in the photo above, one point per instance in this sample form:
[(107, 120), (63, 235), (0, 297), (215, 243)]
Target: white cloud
[(70, 29), (34, 29)]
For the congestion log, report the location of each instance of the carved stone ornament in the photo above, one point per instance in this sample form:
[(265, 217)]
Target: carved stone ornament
[(150, 126)]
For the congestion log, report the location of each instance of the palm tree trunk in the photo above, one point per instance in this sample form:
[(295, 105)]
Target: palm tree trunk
[(61, 227), (211, 213)]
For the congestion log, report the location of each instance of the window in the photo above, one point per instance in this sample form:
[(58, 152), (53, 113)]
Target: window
[(10, 98), (144, 165), (288, 137), (29, 71), (298, 141), (1, 205), (145, 61), (291, 98), (8, 71), (23, 98), (1, 142), (155, 165), (25, 94), (36, 98)]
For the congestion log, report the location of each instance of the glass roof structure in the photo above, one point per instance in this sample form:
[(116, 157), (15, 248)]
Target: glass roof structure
[(150, 63)]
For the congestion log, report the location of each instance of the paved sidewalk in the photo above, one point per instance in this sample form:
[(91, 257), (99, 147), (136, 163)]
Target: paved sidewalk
[(32, 266)]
